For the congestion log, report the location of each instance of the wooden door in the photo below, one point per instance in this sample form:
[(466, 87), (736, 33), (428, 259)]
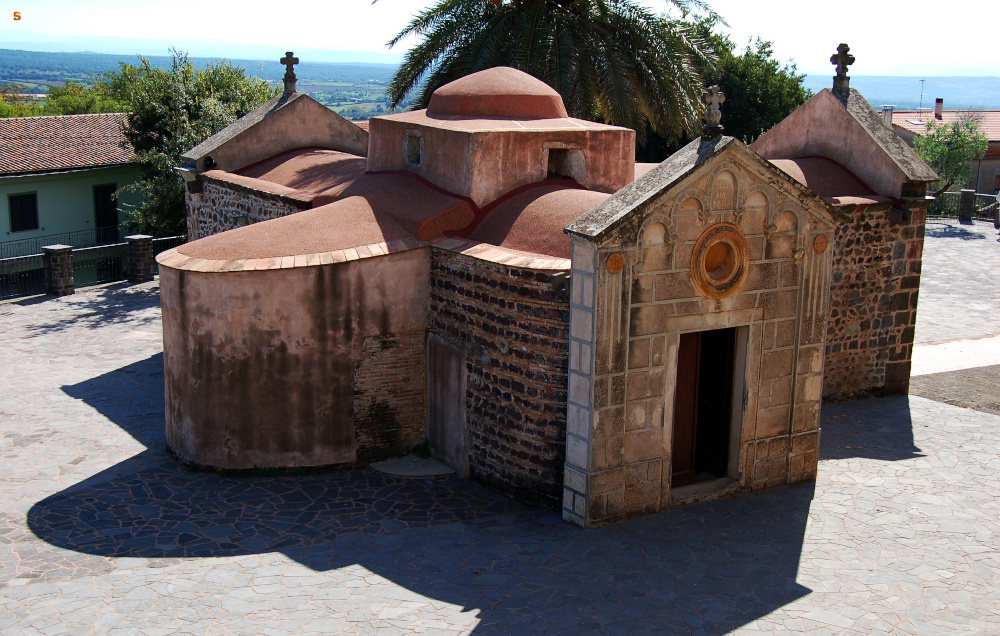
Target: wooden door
[(686, 409)]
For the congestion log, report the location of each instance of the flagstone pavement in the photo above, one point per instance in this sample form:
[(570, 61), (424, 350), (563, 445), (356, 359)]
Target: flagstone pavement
[(101, 532)]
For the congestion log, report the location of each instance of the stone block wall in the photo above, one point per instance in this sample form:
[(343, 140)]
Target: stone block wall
[(877, 257), (222, 207), (512, 325)]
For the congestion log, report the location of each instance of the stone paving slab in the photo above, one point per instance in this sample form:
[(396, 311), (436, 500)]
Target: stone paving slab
[(959, 294), (100, 532), (954, 355)]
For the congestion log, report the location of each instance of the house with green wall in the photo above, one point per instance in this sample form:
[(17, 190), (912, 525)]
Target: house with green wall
[(58, 179)]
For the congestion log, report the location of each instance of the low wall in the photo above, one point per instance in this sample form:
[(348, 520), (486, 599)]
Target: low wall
[(511, 324), (873, 302)]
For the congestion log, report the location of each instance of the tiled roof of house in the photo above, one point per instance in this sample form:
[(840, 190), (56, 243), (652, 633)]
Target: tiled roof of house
[(61, 142), (363, 125), (987, 120)]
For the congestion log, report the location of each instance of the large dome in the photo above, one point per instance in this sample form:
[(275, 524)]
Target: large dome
[(497, 92)]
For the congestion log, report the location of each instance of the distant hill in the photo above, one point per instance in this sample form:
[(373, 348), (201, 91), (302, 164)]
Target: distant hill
[(959, 93), (41, 68)]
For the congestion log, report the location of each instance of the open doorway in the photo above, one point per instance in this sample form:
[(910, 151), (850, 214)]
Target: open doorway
[(708, 405)]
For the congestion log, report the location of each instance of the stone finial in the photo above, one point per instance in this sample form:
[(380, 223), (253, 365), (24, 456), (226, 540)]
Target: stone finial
[(713, 99), (289, 61), (842, 59)]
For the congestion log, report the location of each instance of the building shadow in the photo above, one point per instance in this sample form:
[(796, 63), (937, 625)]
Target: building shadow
[(876, 428), (706, 568)]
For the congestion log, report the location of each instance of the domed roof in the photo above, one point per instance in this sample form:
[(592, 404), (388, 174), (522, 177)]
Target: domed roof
[(498, 92)]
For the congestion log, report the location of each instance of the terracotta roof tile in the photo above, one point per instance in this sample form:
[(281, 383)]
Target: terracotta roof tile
[(987, 120), (63, 142), (363, 125)]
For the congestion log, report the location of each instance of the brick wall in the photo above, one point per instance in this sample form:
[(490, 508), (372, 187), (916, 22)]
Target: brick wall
[(222, 208), (390, 394), (873, 302), (513, 326)]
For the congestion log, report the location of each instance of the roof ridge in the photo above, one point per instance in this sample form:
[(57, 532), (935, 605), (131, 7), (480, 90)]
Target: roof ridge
[(61, 116)]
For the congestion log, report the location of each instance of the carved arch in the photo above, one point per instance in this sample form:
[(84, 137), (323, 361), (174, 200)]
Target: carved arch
[(737, 173), (764, 189), (691, 193)]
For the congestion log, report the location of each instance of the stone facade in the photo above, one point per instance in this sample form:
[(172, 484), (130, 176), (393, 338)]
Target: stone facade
[(635, 293), (877, 257), (224, 206), (511, 327)]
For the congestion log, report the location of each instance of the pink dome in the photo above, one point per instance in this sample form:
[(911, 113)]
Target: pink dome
[(497, 92)]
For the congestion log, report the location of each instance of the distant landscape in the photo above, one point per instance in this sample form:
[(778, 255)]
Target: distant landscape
[(959, 93), (357, 90)]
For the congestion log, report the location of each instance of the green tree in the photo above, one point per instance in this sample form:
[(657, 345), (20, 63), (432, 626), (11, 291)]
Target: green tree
[(611, 60), (950, 148), (760, 91), (14, 103), (171, 110), (78, 99)]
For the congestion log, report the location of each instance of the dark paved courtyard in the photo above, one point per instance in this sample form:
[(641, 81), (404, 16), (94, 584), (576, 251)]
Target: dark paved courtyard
[(101, 532)]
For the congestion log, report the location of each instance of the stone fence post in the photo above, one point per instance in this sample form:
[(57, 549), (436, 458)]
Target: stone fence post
[(139, 262), (57, 262), (966, 206)]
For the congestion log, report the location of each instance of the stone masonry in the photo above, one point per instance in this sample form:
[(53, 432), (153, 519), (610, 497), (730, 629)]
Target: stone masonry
[(57, 261), (512, 325), (224, 206), (634, 294), (390, 394), (140, 266), (877, 258)]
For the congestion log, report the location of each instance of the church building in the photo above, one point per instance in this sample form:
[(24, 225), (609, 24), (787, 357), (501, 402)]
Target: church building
[(559, 322)]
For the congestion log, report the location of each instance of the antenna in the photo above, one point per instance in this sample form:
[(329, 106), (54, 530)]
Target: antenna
[(920, 108)]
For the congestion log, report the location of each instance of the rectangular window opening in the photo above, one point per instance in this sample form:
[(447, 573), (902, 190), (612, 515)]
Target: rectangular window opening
[(411, 149), (23, 211)]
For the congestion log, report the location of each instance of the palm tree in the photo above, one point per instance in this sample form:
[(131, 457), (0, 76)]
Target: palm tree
[(611, 60)]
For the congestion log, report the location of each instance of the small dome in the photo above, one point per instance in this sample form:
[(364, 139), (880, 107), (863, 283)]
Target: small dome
[(498, 92)]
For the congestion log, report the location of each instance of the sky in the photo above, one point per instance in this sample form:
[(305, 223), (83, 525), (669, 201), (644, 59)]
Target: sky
[(887, 38)]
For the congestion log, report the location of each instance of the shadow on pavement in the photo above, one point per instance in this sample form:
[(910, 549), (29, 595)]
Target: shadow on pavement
[(112, 304), (705, 568), (953, 231), (878, 428)]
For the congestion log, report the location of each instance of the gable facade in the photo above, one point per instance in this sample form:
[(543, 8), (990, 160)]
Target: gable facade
[(730, 246)]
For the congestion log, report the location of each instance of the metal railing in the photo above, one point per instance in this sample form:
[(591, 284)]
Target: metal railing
[(21, 276), (81, 238), (945, 207), (164, 244), (101, 264)]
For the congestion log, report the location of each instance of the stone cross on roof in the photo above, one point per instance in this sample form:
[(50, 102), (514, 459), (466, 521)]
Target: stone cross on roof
[(842, 59), (289, 61), (713, 99)]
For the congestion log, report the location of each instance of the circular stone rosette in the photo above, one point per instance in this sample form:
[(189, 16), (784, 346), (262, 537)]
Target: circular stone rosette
[(720, 260)]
